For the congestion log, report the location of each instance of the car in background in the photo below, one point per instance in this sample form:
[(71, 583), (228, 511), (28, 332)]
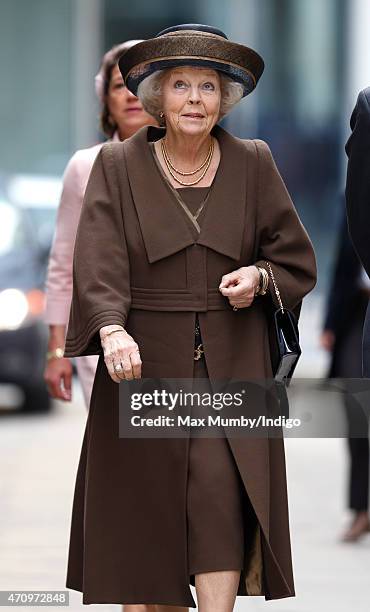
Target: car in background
[(38, 196), (27, 221)]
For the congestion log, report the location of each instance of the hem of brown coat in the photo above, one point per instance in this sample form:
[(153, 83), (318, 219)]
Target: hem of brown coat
[(86, 600), (282, 596), (186, 604)]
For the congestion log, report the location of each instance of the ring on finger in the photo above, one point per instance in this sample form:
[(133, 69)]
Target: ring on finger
[(235, 308), (118, 367)]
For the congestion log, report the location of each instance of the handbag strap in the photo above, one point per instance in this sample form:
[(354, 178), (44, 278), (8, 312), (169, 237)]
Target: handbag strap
[(275, 286)]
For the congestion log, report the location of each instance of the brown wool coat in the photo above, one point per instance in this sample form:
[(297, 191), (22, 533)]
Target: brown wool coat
[(140, 262)]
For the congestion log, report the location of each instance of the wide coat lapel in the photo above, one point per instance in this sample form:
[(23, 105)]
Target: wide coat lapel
[(164, 224)]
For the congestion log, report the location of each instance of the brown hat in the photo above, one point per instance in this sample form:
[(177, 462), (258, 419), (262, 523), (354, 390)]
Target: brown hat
[(191, 45)]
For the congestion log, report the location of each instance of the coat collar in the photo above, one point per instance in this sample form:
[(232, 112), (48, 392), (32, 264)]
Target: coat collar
[(164, 224)]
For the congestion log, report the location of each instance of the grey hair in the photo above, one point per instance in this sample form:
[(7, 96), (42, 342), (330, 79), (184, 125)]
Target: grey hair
[(150, 94)]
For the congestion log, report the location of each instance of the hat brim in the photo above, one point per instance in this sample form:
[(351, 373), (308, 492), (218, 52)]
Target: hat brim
[(235, 72), (190, 48)]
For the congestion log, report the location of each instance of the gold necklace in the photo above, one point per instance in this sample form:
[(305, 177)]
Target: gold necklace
[(167, 157), (208, 163)]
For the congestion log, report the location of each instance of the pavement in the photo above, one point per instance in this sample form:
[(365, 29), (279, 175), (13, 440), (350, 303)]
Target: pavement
[(38, 462)]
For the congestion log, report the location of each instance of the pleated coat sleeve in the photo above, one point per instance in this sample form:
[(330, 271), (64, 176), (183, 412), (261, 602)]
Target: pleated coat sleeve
[(281, 237), (101, 273)]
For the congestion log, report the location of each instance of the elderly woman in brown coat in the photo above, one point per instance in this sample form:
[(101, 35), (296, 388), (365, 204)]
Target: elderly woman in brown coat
[(180, 227)]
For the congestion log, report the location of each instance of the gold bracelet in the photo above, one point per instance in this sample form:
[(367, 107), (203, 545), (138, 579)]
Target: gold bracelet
[(257, 291), (113, 332), (264, 281), (105, 334), (57, 353)]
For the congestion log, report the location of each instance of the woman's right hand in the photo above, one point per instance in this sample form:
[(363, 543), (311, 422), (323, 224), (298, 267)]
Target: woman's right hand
[(120, 351), (58, 371), (58, 377)]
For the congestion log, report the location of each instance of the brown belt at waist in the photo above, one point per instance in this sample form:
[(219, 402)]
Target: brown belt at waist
[(177, 299)]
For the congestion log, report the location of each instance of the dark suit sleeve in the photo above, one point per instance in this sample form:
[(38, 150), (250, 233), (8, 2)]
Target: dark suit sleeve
[(358, 179), (101, 275), (343, 291)]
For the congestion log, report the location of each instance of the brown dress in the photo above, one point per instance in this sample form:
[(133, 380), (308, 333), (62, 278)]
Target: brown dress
[(140, 261), (215, 494)]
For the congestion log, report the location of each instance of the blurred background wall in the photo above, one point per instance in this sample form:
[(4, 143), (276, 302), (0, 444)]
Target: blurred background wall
[(316, 62)]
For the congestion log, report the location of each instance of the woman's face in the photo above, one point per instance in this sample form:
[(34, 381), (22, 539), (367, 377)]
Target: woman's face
[(191, 99), (125, 108)]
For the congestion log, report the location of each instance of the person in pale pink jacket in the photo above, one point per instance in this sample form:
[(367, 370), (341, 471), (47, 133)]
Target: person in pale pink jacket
[(121, 116)]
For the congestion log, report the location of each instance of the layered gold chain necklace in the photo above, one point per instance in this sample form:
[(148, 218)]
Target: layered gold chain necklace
[(172, 169)]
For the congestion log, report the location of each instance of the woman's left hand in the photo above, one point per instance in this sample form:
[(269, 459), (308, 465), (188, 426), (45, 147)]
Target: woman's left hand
[(240, 286)]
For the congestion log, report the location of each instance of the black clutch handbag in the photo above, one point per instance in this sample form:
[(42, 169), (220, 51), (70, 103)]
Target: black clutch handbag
[(286, 335)]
